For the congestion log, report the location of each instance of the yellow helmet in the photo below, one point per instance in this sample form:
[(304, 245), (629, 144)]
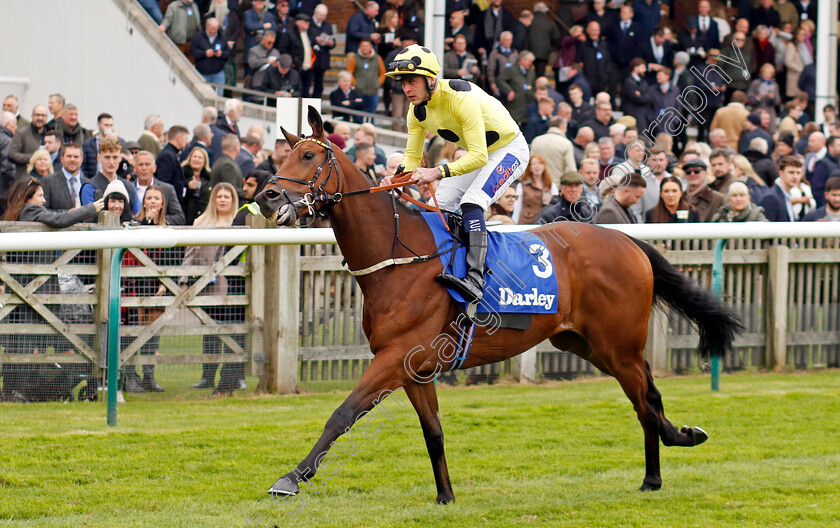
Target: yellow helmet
[(413, 60)]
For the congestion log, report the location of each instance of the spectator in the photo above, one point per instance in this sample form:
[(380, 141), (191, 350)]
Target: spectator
[(61, 189), (705, 200), (150, 139), (830, 212), (361, 26), (52, 143), (297, 44), (647, 14), (636, 99), (718, 139), (516, 85), (10, 104), (763, 164), (636, 156), (777, 201), (600, 14), (624, 38), (368, 74), (581, 110), (210, 53), (751, 130), (765, 52), (90, 148), (69, 127), (321, 35), (744, 173), (707, 25), (345, 96), (261, 58), (389, 28), (583, 138), (543, 38), (735, 70), (693, 42), (225, 170), (27, 139), (202, 138), (764, 94), (489, 26), (534, 191), (40, 164), (502, 209), (282, 80), (600, 125), (153, 8), (460, 63), (617, 210), (144, 165), (722, 171), (220, 213), (280, 154), (596, 59), (25, 202), (555, 148), (225, 124), (115, 198), (285, 19), (56, 108), (658, 53), (731, 118), (257, 21), (110, 156), (824, 168), (663, 97), (765, 15), (537, 123), (798, 55), (802, 198), (181, 21), (8, 127), (588, 169), (521, 28), (365, 161), (251, 145), (366, 133), (568, 206), (168, 161), (196, 170), (229, 27), (739, 207), (807, 10), (672, 206), (501, 58), (458, 27)]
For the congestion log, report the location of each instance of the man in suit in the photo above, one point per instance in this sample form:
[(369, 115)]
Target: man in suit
[(168, 165), (225, 169), (617, 210), (321, 36), (624, 39), (62, 189), (663, 96), (226, 124), (658, 53), (636, 100), (251, 145), (517, 86), (489, 25), (824, 168), (144, 168), (776, 201), (596, 58), (701, 196), (707, 26)]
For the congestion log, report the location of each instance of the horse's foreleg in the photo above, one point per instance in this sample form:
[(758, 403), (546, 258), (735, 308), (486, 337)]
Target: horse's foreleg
[(377, 383), (424, 398)]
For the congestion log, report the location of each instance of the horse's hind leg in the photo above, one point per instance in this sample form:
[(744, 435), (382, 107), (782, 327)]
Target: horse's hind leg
[(424, 398), (670, 435)]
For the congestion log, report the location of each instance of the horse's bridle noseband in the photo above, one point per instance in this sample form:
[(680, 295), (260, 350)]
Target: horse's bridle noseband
[(314, 196)]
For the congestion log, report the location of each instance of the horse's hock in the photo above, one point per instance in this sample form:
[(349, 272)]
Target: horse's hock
[(303, 311)]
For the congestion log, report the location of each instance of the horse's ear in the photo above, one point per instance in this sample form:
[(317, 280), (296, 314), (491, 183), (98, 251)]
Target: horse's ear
[(291, 138), (315, 122)]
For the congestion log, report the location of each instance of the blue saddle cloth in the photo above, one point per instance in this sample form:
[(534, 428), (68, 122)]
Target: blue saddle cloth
[(521, 271)]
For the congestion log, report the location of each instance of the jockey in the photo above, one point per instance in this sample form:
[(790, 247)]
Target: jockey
[(497, 153)]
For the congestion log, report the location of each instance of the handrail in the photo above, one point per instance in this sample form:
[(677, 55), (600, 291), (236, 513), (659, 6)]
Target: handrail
[(162, 237)]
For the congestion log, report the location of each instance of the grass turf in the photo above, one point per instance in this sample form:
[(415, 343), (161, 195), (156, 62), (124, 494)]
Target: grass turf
[(560, 454)]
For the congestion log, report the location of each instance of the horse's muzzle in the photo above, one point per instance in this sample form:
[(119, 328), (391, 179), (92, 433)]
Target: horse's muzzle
[(278, 206)]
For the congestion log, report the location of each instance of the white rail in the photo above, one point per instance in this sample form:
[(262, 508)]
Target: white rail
[(168, 237)]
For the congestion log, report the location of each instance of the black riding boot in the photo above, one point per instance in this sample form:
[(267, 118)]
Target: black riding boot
[(149, 382), (471, 286)]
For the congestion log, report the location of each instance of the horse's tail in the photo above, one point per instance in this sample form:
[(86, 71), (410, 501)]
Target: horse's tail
[(716, 323)]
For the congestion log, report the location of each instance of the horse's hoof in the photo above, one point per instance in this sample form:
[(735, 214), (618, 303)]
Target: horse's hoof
[(697, 434), (650, 486), (284, 486), (445, 499)]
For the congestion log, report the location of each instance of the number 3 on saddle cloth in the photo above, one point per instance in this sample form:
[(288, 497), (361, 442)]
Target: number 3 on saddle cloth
[(519, 282)]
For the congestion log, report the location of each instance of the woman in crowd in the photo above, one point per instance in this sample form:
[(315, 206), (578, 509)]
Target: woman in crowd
[(798, 54), (25, 202), (220, 212), (40, 164), (534, 191), (739, 207), (744, 171), (197, 175), (763, 93), (116, 201), (672, 206), (502, 209)]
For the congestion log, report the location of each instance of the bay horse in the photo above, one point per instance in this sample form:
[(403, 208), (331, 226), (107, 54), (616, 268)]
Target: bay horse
[(607, 283)]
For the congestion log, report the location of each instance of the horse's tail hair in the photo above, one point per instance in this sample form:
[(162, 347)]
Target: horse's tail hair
[(716, 322)]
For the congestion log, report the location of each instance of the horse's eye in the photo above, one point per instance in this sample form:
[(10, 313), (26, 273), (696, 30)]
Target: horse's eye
[(308, 156)]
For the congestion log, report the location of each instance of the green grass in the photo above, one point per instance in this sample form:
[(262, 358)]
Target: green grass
[(560, 454)]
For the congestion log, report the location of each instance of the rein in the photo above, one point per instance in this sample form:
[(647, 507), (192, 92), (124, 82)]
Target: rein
[(319, 195)]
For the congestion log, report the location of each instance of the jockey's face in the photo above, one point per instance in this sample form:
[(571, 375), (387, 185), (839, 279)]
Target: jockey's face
[(415, 89)]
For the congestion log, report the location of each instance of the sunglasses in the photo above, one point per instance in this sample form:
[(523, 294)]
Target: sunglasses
[(693, 171)]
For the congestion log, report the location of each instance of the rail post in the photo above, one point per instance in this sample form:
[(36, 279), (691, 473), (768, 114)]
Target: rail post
[(114, 335), (717, 290)]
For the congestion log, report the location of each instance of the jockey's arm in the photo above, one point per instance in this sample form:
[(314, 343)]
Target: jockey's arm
[(470, 117)]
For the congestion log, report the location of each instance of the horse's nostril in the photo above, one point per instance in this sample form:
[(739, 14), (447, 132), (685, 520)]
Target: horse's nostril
[(271, 194)]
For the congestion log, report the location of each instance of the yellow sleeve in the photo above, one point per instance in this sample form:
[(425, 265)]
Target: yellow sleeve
[(468, 112), (416, 139)]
